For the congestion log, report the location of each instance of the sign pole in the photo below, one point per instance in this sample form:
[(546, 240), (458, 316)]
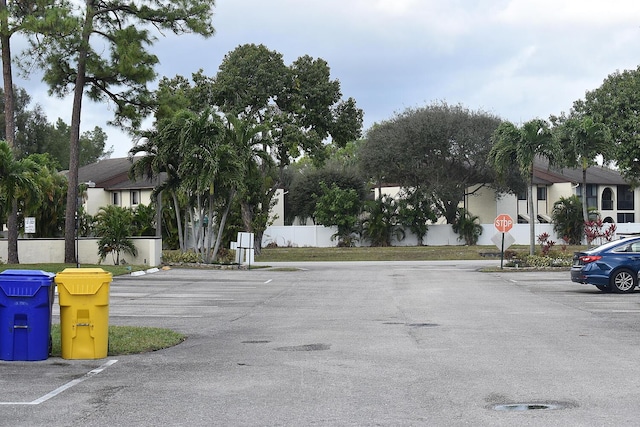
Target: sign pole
[(502, 253)]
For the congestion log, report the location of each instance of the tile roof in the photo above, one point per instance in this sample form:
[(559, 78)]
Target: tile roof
[(601, 175), (113, 174)]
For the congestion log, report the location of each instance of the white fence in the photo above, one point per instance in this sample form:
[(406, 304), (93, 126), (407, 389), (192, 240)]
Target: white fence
[(36, 251), (438, 235)]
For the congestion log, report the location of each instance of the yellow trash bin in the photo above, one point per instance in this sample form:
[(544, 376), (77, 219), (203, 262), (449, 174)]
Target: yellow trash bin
[(83, 295)]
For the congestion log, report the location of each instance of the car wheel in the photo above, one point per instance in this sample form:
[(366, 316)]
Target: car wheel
[(623, 281), (604, 288)]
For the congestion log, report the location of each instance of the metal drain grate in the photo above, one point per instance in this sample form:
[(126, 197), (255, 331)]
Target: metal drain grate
[(526, 406), (306, 347)]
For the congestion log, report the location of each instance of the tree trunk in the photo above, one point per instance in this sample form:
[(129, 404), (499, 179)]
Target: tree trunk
[(585, 208), (70, 231), (181, 237), (10, 128), (532, 218), (12, 235), (223, 221)]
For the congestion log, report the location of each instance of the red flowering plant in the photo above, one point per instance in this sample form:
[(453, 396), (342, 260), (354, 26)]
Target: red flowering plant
[(599, 232)]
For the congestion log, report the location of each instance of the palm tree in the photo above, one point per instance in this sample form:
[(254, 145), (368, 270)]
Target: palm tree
[(47, 204), (242, 134), (583, 140), (467, 227), (114, 226), (16, 176), (521, 146), (568, 220), (162, 155)]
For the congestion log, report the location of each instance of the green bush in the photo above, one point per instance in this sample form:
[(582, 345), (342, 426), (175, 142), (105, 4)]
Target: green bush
[(547, 261), (225, 256), (178, 256)]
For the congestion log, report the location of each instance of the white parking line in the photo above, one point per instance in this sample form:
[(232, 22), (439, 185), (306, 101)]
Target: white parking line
[(62, 388)]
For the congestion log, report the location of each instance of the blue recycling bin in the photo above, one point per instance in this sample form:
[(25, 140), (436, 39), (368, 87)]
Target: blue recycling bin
[(26, 303)]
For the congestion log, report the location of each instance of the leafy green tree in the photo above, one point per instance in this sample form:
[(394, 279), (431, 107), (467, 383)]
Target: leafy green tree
[(616, 104), (340, 208), (114, 226), (520, 147), (47, 204), (108, 56), (214, 168), (17, 178), (307, 186), (568, 219), (163, 156), (415, 210), (144, 218), (583, 141), (467, 227), (381, 223), (300, 104), (441, 148)]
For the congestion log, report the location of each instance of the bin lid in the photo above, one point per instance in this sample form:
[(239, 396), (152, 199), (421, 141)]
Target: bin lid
[(25, 274), (24, 283), (83, 272), (82, 281)]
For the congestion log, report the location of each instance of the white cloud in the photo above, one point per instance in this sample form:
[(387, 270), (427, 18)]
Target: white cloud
[(519, 59)]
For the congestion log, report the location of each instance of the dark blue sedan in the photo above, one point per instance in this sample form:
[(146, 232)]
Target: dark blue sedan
[(612, 267)]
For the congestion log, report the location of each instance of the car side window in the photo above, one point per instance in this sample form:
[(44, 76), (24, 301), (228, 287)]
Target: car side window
[(625, 248), (634, 247)]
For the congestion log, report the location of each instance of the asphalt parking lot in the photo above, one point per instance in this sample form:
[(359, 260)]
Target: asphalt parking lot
[(335, 344)]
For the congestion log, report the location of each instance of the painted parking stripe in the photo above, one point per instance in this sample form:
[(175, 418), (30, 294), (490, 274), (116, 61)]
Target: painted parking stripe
[(64, 387)]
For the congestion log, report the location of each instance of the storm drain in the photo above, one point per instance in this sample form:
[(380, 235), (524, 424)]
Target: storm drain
[(422, 325), (517, 407), (305, 347)]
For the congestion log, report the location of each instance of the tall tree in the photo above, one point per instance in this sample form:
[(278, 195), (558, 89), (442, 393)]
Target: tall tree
[(520, 147), (440, 148), (583, 142), (108, 57), (300, 104), (47, 204), (616, 104), (15, 176)]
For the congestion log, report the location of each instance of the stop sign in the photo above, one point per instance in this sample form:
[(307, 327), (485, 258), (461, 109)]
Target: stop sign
[(503, 223)]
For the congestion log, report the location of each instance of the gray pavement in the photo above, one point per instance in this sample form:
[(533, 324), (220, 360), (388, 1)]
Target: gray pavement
[(350, 344)]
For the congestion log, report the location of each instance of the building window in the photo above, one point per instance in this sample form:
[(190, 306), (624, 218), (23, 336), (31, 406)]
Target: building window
[(135, 198), (625, 217), (625, 198), (607, 199), (542, 193), (592, 196), (522, 196), (116, 198)]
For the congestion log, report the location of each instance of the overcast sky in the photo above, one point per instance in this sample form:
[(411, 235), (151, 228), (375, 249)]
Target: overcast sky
[(518, 59)]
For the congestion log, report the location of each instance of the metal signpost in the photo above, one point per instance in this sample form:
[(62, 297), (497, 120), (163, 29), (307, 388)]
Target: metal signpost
[(503, 224)]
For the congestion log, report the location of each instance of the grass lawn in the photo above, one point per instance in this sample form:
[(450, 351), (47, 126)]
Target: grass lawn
[(395, 253)]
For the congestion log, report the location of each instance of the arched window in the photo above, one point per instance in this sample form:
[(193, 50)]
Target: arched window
[(608, 220), (607, 199)]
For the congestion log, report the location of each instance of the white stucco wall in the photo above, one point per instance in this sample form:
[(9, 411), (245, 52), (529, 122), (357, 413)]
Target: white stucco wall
[(36, 251)]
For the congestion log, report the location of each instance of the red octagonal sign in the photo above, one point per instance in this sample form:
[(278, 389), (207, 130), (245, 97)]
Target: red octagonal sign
[(503, 223)]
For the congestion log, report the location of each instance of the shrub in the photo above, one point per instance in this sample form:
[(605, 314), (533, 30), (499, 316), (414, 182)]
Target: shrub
[(178, 257), (467, 227), (547, 261), (545, 243)]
